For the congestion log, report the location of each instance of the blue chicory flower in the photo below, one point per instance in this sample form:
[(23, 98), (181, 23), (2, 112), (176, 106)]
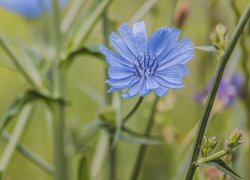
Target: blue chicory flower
[(29, 8), (227, 92), (144, 65)]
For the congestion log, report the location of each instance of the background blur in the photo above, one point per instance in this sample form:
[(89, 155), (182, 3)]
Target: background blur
[(178, 111)]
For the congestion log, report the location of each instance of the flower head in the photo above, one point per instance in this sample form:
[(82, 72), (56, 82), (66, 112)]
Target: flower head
[(29, 8), (143, 65), (227, 92)]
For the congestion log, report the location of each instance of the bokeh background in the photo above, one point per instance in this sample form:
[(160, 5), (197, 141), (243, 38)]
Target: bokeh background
[(178, 111)]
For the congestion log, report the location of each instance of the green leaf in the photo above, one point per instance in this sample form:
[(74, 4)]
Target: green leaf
[(93, 94), (221, 165), (140, 139), (15, 108), (23, 62), (85, 28), (17, 134), (206, 48), (83, 169)]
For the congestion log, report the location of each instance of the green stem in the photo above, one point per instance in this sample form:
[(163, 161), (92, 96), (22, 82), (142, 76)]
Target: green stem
[(133, 110), (214, 156), (111, 149), (60, 158), (209, 104), (16, 136), (112, 158), (142, 149), (28, 154), (58, 109), (106, 32)]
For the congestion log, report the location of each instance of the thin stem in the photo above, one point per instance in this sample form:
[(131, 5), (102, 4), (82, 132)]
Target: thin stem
[(209, 103), (142, 149), (132, 111), (58, 109), (16, 136), (112, 158), (28, 154), (106, 32), (57, 46), (111, 149)]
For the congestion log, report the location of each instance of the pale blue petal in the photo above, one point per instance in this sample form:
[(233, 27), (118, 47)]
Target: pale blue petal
[(179, 59), (113, 59), (134, 89), (167, 84), (140, 37), (121, 47), (161, 91), (144, 91), (173, 36), (180, 54), (157, 41), (127, 36), (132, 83), (178, 69), (121, 82), (173, 79), (151, 84), (119, 73)]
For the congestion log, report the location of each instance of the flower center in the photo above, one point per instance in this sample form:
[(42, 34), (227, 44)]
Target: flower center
[(145, 65)]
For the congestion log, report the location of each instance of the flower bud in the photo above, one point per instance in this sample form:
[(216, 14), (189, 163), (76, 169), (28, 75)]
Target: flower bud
[(208, 146), (233, 140), (219, 38)]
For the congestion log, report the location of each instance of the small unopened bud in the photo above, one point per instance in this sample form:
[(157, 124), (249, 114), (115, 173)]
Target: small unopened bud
[(181, 15), (208, 146), (108, 116), (233, 140), (219, 38)]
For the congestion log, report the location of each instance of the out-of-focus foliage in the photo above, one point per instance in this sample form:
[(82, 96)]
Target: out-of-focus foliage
[(178, 112)]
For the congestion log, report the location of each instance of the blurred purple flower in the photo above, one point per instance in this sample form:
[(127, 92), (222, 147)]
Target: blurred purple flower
[(227, 91), (29, 8)]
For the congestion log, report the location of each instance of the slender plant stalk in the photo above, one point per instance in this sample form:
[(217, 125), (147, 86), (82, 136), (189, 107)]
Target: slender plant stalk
[(16, 136), (209, 103), (142, 149), (106, 32), (28, 154), (133, 110), (111, 149), (112, 158), (58, 109)]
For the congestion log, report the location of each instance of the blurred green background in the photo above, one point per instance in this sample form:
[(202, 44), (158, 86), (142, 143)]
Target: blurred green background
[(173, 122)]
